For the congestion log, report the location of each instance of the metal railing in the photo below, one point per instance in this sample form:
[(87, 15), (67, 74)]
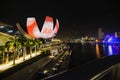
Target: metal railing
[(111, 73), (107, 68)]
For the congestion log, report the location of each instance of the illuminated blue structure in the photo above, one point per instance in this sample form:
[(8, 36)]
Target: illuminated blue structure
[(110, 50), (111, 40)]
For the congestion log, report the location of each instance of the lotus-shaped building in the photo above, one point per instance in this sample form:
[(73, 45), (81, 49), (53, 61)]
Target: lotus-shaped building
[(49, 29)]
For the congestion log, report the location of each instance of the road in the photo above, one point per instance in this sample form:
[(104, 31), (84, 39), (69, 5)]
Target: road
[(58, 64)]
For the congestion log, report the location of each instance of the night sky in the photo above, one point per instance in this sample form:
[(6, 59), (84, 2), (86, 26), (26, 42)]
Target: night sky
[(76, 19)]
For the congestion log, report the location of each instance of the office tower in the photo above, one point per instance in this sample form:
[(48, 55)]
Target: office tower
[(100, 34)]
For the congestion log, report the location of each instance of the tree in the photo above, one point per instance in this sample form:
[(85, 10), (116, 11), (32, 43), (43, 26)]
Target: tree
[(30, 44), (17, 47), (2, 53), (24, 45), (40, 42), (7, 50)]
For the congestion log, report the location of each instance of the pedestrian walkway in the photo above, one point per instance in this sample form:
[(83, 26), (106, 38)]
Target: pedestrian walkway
[(8, 65)]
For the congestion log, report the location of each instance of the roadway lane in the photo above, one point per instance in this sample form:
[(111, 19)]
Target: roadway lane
[(52, 67), (56, 65)]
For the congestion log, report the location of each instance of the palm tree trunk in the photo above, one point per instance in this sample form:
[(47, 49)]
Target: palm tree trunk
[(7, 57), (3, 57), (30, 51), (14, 58), (40, 49), (18, 53), (24, 53), (35, 49)]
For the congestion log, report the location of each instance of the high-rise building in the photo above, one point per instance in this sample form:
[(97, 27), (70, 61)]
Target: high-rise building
[(100, 34), (117, 34)]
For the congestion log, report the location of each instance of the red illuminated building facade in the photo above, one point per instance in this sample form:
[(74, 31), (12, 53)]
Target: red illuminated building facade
[(48, 29)]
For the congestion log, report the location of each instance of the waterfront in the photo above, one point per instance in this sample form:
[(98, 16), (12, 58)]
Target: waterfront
[(83, 54)]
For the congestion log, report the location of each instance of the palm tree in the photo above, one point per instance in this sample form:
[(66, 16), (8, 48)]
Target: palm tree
[(7, 48), (17, 46), (13, 46), (2, 48), (31, 44), (24, 45), (39, 42), (36, 45)]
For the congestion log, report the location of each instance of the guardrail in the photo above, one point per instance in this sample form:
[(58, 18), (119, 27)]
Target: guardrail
[(107, 68), (111, 73)]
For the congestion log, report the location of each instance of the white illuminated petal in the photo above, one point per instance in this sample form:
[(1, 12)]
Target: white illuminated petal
[(32, 28), (47, 30), (30, 21)]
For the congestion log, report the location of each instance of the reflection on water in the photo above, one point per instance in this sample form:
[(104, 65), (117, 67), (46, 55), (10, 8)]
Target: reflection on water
[(97, 51), (110, 50), (107, 50)]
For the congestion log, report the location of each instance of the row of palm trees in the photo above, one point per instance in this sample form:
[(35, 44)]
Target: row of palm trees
[(18, 47)]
